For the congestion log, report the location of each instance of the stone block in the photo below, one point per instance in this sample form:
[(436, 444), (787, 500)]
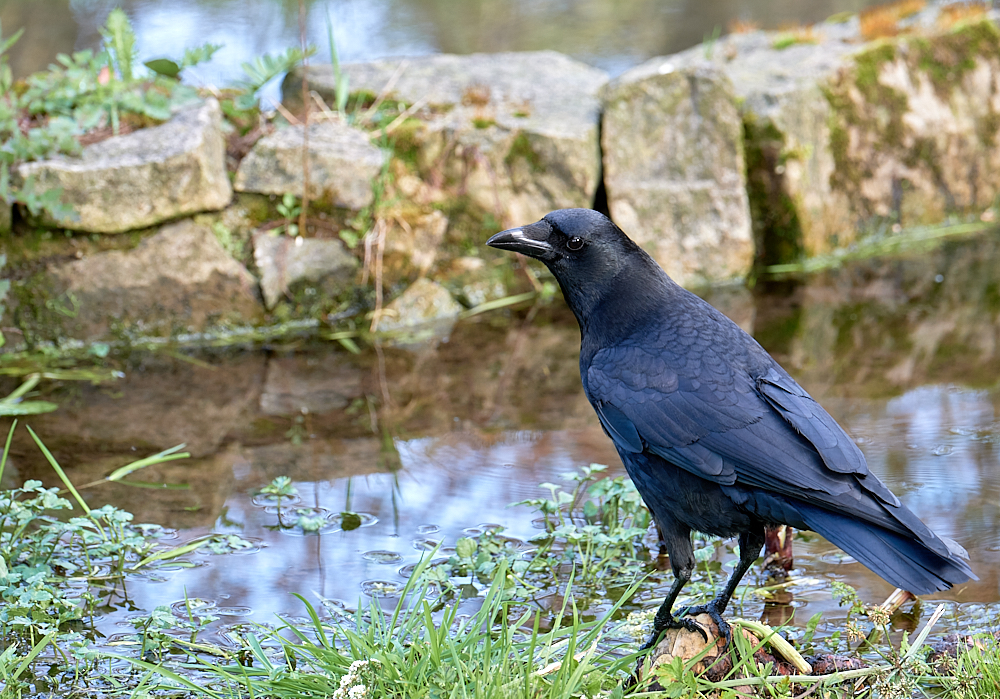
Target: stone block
[(674, 170), (514, 133), (142, 178), (287, 264), (342, 164)]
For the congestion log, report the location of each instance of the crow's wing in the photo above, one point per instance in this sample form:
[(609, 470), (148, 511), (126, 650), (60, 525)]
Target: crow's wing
[(652, 398), (707, 414)]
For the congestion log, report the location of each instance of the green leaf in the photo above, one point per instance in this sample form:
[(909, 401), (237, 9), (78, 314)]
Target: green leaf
[(164, 66), (201, 54), (349, 521), (465, 547)]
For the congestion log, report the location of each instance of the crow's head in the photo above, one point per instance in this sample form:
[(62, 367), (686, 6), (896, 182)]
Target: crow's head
[(581, 246), (589, 256)]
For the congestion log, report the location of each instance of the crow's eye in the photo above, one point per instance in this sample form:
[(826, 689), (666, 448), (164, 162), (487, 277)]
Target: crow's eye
[(574, 243)]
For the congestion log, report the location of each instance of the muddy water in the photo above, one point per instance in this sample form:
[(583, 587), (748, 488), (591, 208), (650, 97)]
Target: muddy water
[(904, 351)]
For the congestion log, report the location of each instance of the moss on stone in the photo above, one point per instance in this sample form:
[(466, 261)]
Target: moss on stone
[(773, 213), (360, 99), (405, 141), (42, 310), (879, 115), (521, 148), (946, 58)]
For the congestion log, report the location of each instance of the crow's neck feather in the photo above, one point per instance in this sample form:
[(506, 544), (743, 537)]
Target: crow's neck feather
[(608, 311)]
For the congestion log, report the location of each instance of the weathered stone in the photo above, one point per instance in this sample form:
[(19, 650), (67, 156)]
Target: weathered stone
[(843, 138), (144, 177), (418, 241), (308, 384), (515, 133), (423, 312), (179, 280), (287, 263), (342, 164), (674, 170)]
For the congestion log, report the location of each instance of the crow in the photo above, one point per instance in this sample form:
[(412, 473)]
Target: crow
[(716, 436)]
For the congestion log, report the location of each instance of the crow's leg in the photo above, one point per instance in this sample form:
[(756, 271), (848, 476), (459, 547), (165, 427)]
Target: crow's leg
[(677, 539), (751, 543)]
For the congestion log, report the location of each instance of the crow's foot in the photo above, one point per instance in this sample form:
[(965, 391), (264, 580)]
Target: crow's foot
[(673, 623), (715, 613)]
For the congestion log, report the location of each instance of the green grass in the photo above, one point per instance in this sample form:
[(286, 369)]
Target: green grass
[(417, 652)]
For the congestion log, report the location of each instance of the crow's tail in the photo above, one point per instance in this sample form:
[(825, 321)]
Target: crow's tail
[(902, 561)]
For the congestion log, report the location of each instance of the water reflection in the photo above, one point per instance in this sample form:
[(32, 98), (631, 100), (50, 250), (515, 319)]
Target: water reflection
[(610, 35), (425, 446)]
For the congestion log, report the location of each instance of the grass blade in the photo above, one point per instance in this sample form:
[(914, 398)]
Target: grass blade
[(58, 469), (6, 448), (173, 553), (164, 456)]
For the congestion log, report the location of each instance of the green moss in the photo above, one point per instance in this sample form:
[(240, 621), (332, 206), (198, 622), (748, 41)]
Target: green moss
[(774, 216), (42, 309), (783, 42), (405, 141), (469, 225), (481, 123), (987, 129), (879, 114), (867, 66), (948, 57), (522, 148), (360, 99)]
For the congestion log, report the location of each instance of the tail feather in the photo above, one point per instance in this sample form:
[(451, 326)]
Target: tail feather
[(902, 561)]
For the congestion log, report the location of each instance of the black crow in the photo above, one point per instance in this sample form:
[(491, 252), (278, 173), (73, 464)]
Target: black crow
[(716, 436)]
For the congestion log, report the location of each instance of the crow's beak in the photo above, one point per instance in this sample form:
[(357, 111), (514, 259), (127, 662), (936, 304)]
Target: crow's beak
[(529, 240)]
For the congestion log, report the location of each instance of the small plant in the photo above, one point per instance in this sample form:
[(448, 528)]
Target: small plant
[(82, 93), (289, 207)]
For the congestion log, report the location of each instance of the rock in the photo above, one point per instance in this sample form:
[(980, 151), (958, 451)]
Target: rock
[(423, 312), (684, 644), (514, 133), (674, 170), (845, 137), (342, 164), (308, 384), (289, 264), (142, 178), (418, 241), (177, 281)]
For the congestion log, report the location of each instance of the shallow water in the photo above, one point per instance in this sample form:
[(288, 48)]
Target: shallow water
[(904, 351), (611, 35)]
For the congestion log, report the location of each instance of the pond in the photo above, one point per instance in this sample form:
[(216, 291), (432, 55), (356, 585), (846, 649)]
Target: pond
[(429, 446), (613, 35)]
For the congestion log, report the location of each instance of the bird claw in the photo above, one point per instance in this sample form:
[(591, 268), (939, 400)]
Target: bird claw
[(715, 614), (674, 623)]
